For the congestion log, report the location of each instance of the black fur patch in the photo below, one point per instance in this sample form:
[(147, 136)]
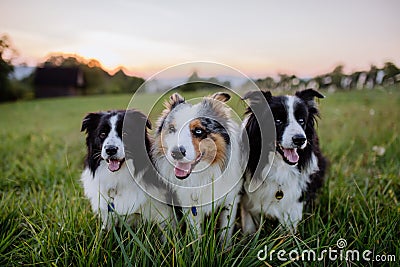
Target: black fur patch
[(213, 126), (253, 131)]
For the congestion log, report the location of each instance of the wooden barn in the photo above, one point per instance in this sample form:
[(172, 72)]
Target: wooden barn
[(58, 81)]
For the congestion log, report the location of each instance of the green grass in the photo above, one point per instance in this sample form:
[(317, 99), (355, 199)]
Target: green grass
[(45, 219)]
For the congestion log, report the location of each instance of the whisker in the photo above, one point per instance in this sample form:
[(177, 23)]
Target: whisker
[(96, 155)]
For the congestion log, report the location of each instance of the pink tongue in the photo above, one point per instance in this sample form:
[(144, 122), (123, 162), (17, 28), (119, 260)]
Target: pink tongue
[(291, 155), (113, 165), (182, 169)]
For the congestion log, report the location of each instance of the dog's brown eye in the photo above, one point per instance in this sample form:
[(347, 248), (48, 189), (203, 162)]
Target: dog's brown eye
[(301, 121), (103, 135), (278, 122), (171, 129)]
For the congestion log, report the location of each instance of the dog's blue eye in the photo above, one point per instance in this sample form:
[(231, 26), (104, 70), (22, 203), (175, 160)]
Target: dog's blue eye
[(278, 122), (103, 135), (198, 132)]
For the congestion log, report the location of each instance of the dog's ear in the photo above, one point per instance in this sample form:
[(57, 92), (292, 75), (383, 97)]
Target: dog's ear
[(90, 122), (256, 96), (221, 96), (148, 123), (309, 94), (217, 108), (135, 116), (174, 100)]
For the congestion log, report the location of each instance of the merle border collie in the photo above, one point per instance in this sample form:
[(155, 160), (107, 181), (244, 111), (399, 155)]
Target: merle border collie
[(196, 149), (109, 184), (297, 166)]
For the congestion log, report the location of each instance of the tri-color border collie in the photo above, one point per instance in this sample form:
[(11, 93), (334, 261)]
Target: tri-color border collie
[(109, 184), (196, 150), (297, 166)]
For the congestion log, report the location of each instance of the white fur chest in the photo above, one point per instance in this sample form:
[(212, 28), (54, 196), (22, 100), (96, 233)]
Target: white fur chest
[(286, 180), (118, 188), (200, 190)]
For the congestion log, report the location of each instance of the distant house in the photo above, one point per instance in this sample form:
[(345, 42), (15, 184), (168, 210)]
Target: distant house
[(58, 81)]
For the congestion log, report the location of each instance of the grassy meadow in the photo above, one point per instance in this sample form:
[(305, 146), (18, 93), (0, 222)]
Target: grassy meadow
[(45, 219)]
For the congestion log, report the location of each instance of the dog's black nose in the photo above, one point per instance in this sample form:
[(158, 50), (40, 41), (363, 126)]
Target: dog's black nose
[(111, 150), (299, 140), (178, 152)]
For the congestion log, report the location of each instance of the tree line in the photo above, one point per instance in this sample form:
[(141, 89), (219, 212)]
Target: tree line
[(98, 81), (388, 75)]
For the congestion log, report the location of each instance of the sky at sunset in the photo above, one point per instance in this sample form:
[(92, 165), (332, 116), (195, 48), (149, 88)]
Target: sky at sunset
[(258, 38)]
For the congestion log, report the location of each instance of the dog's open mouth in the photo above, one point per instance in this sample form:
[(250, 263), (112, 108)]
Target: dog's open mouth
[(184, 169), (114, 164), (289, 155)]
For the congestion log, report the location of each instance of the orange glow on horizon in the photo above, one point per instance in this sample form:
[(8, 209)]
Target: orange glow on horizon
[(251, 69)]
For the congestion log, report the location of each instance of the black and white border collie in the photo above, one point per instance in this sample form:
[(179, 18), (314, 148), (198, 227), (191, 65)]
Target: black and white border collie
[(196, 149), (298, 166), (107, 181)]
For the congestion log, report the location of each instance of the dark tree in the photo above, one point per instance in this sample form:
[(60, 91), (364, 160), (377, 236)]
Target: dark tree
[(6, 68)]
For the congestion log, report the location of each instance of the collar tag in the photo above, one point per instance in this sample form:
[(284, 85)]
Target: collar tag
[(194, 211), (279, 194), (111, 207)]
